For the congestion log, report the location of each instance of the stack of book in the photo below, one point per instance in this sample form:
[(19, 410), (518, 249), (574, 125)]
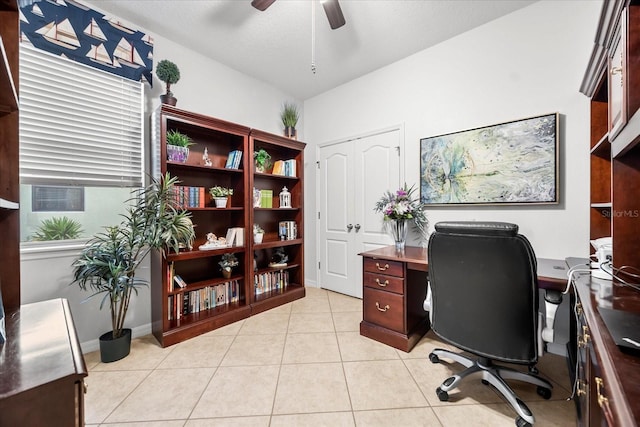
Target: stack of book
[(189, 197), (271, 281), (284, 167), (266, 198), (233, 161), (182, 304)]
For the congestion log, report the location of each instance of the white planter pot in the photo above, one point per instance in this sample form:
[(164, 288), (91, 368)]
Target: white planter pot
[(221, 202), (257, 238)]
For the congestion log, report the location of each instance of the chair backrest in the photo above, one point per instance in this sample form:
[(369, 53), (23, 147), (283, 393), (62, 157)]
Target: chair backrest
[(483, 279)]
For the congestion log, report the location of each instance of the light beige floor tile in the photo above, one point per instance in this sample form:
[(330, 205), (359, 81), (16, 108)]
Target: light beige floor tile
[(166, 394), (231, 329), (171, 423), (283, 309), (425, 346), (254, 350), (198, 352), (354, 346), (265, 323), (312, 292), (315, 387), (381, 385), (555, 369), (262, 421), (410, 417), (92, 359), (105, 391), (348, 321), (145, 353), (554, 413), (310, 322), (342, 303), (489, 415), (327, 419), (311, 305), (238, 391), (310, 348)]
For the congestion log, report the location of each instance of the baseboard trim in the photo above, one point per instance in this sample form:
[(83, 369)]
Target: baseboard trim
[(94, 345)]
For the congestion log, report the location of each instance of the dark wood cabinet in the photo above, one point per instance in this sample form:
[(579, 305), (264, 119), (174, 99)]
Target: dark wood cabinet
[(210, 300), (607, 380), (42, 375), (395, 287)]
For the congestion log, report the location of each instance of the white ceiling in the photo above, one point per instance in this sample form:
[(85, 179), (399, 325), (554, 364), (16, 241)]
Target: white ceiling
[(275, 45)]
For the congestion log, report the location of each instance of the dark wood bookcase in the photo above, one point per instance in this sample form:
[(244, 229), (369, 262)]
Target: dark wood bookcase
[(607, 378), (9, 149), (171, 322)]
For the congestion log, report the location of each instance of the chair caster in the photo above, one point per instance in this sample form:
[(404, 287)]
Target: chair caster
[(442, 395), (520, 422), (544, 392), (434, 358), (485, 382)]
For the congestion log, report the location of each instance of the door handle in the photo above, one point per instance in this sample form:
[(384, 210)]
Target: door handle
[(349, 227), (357, 227)]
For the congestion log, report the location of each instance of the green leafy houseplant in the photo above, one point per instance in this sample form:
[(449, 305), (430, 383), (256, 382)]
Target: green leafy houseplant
[(219, 191), (178, 139), (262, 159), (107, 265), (289, 115), (58, 228), (169, 73), (228, 261)]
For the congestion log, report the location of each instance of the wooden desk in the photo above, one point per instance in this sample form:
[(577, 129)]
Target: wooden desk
[(42, 375), (394, 293)]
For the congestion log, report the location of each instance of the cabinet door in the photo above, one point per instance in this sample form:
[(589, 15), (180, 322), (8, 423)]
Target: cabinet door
[(617, 80)]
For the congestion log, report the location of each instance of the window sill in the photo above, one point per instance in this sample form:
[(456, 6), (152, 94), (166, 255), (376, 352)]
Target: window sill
[(45, 250)]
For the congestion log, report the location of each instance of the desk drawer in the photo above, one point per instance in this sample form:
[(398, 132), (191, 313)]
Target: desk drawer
[(384, 283), (381, 266), (384, 309)]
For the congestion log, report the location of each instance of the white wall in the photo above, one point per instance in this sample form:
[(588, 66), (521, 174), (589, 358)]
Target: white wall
[(206, 87), (525, 64)]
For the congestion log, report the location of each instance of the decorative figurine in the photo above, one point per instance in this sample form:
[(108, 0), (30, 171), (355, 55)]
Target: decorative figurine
[(256, 198), (213, 242), (279, 258), (205, 157)]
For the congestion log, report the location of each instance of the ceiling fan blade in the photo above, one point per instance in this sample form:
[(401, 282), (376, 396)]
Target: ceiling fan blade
[(261, 5), (334, 13)]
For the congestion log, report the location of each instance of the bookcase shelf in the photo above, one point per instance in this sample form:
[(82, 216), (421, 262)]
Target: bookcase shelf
[(199, 268)]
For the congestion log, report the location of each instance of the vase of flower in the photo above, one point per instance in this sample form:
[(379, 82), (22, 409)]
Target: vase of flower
[(398, 230)]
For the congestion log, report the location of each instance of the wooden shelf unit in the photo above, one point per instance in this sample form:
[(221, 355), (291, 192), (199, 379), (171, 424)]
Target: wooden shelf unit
[(199, 268), (608, 389), (9, 159)]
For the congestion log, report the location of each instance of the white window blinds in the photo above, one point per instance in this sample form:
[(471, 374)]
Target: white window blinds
[(78, 125)]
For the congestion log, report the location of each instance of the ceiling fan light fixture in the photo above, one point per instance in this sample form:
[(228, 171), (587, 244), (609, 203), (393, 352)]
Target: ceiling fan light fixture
[(334, 13), (261, 5)]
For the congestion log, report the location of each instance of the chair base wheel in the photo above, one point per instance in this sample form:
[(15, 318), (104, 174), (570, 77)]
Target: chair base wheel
[(434, 358), (520, 422), (544, 392), (442, 395)]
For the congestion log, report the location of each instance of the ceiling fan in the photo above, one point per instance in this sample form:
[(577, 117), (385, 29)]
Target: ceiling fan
[(331, 8)]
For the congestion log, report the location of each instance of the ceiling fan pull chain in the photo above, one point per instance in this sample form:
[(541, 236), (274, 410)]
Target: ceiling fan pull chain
[(313, 37)]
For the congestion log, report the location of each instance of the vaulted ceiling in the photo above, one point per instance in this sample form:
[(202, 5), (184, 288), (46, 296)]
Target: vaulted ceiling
[(275, 46)]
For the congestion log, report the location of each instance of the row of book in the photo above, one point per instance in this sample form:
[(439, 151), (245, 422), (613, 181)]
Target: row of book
[(233, 160), (270, 281), (189, 197), (284, 167), (202, 299), (266, 198)]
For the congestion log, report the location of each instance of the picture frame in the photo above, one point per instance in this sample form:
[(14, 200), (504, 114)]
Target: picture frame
[(511, 163)]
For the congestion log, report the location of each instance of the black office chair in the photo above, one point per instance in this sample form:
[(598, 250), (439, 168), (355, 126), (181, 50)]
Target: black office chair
[(484, 300)]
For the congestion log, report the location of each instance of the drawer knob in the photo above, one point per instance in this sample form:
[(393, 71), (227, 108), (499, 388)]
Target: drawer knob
[(385, 267), (383, 309), (386, 282)]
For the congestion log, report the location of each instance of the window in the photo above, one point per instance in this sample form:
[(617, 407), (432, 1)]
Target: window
[(81, 148)]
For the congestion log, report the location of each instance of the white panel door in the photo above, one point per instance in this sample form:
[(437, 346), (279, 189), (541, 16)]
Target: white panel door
[(353, 176)]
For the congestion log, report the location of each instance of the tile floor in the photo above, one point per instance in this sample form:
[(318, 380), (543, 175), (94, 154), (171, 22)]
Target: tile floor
[(302, 364)]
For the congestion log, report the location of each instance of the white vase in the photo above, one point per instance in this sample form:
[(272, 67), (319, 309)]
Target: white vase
[(221, 202), (257, 238)]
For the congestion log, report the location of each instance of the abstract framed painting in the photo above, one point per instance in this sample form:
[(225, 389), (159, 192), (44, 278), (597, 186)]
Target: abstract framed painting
[(505, 164)]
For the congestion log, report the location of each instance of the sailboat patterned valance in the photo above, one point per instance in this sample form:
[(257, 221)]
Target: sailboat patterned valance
[(70, 29)]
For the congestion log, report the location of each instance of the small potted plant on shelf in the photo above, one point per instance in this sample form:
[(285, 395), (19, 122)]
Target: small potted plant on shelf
[(169, 73), (258, 233), (227, 263), (262, 160), (177, 146), (289, 116), (108, 264), (220, 195)]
